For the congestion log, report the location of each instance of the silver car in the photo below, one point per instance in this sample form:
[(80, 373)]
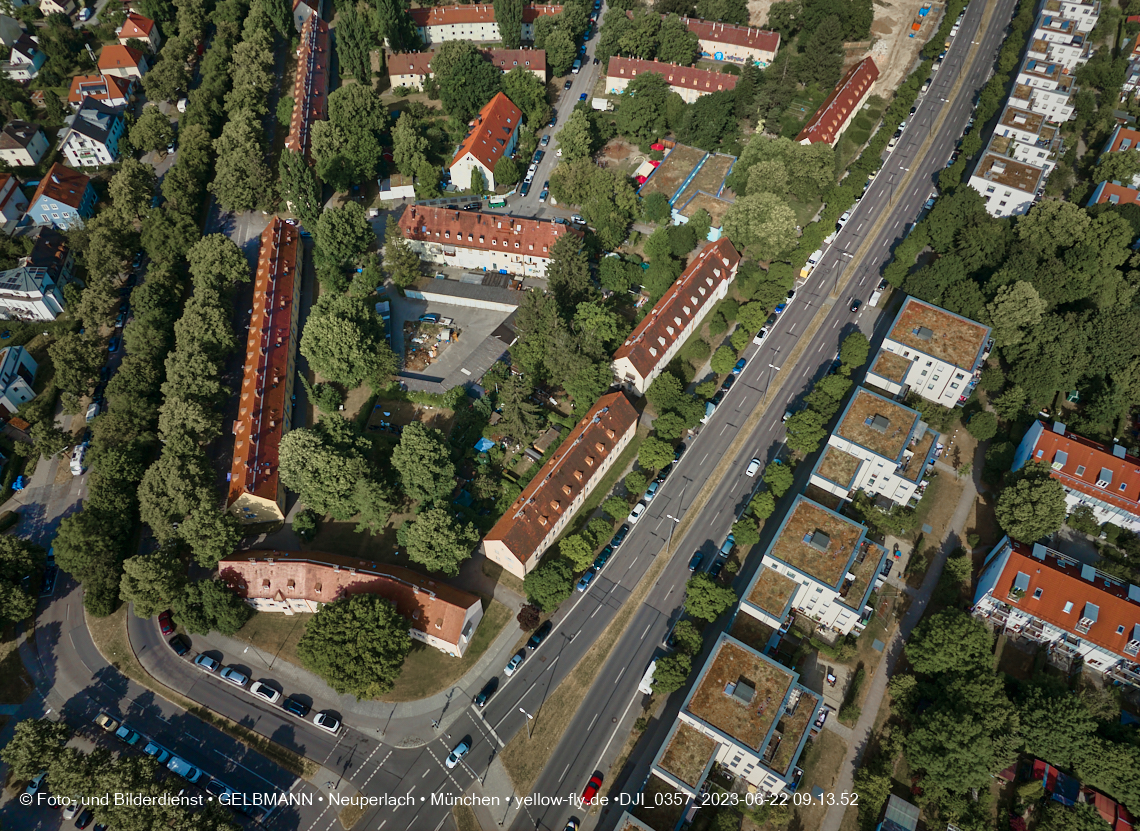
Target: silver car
[(233, 676)]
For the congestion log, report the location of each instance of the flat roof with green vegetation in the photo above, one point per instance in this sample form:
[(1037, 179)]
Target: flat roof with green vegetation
[(740, 692), (941, 334), (878, 424), (751, 632), (673, 171), (716, 207), (709, 178), (816, 542), (793, 728), (771, 591), (687, 754), (838, 466), (891, 366), (918, 459), (865, 567)]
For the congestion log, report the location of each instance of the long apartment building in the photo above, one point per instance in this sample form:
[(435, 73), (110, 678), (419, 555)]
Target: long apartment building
[(265, 410), (1082, 614), (1027, 137), (437, 24), (747, 713), (661, 333), (935, 354), (409, 69), (1102, 477), (737, 44), (541, 513), (819, 564), (481, 241), (689, 82), (1044, 88), (1059, 40), (292, 582), (310, 86), (840, 107), (1022, 152), (879, 446)]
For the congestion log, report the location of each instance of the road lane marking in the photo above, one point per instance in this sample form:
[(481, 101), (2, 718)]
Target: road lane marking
[(643, 634), (594, 719), (620, 674), (494, 735), (563, 776)]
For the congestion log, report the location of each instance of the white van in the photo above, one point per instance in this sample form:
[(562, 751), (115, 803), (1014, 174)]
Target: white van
[(79, 460), (92, 411), (576, 67), (812, 262)]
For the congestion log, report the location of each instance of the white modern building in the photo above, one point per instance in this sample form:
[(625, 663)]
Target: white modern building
[(1059, 40), (1083, 14), (1044, 88), (1009, 187), (17, 375), (22, 144), (28, 293), (1027, 137), (90, 137)]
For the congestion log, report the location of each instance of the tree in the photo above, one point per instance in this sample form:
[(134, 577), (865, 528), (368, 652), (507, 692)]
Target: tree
[(35, 746), (152, 581), (576, 551), (132, 188), (347, 146), (676, 44), (822, 62), (763, 505), (153, 130), (343, 340), (1015, 309), (324, 466), (700, 223), (423, 461), (466, 79), (76, 359), (509, 16), (705, 599), (568, 273), (950, 641), (520, 416), (549, 584), (394, 24), (357, 645), (402, 262), (299, 188), (805, 431), (1082, 518), (779, 478), (687, 638), (344, 233), (671, 672), (1032, 504), (528, 617), (240, 173), (763, 224), (1120, 166), (217, 264), (723, 360), (745, 532), (983, 426), (670, 426), (854, 350), (576, 138), (210, 532), (20, 560), (168, 79), (506, 172), (560, 51), (439, 543), (641, 107), (615, 507), (354, 42), (654, 454), (409, 148), (211, 605)]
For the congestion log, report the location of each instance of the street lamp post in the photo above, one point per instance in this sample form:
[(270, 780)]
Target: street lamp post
[(674, 524), (529, 719), (894, 182), (838, 271), (772, 370)]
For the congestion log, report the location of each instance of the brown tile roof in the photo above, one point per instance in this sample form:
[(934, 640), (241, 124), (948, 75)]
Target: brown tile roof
[(792, 544), (554, 488), (136, 26), (1119, 136), (647, 344), (419, 63), (117, 56), (310, 85), (746, 36), (490, 131), (686, 77), (409, 63), (1124, 196), (487, 232), (63, 185), (878, 424), (847, 97), (261, 414), (432, 607), (17, 135), (105, 88), (954, 339), (450, 15)]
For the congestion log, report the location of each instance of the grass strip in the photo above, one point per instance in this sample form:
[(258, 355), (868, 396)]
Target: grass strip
[(465, 819), (350, 815)]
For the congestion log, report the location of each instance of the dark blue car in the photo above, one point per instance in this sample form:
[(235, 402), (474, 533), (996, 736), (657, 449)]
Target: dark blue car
[(695, 561)]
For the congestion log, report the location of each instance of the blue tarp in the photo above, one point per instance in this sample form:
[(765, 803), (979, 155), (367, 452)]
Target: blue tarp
[(483, 445)]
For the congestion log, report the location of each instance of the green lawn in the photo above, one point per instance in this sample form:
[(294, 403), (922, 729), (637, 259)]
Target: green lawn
[(275, 634)]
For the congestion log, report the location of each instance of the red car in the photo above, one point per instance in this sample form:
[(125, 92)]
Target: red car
[(165, 623), (591, 793)]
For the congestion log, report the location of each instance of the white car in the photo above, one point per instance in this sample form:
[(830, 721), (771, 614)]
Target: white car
[(86, 14), (328, 722), (461, 750), (233, 676), (514, 664), (763, 333), (843, 219), (264, 691), (636, 513), (753, 467), (74, 808)]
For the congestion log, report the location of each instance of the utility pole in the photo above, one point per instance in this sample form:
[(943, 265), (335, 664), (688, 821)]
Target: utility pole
[(529, 719)]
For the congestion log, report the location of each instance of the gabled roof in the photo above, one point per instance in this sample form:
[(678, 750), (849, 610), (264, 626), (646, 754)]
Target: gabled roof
[(23, 280), (685, 77), (480, 13), (1081, 464), (94, 119), (647, 344), (310, 85), (746, 36), (847, 96), (62, 185), (117, 56), (136, 26), (99, 87), (419, 63), (553, 490), (17, 135), (1114, 193), (49, 252), (27, 48), (490, 131), (940, 334), (485, 232)]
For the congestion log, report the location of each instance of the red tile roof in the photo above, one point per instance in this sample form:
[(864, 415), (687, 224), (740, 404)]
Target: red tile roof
[(430, 606), (1124, 195), (1091, 458), (1122, 134), (490, 131), (260, 422), (419, 63), (136, 26), (746, 36), (486, 232), (647, 344), (847, 96), (450, 15), (310, 85), (62, 185), (686, 77), (409, 63), (1061, 583), (117, 56), (554, 489), (105, 88)]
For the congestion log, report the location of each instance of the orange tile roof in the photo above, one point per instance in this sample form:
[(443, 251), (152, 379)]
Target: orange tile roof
[(419, 63), (136, 26), (117, 56), (63, 185), (409, 63), (685, 77), (486, 232), (1106, 190), (1081, 466), (847, 96), (105, 88), (746, 36), (450, 15), (310, 85), (527, 522), (490, 131), (647, 344), (260, 422), (432, 607), (1061, 583), (1122, 134)]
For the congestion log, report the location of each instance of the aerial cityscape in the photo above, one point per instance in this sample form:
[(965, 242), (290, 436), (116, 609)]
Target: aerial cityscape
[(606, 414)]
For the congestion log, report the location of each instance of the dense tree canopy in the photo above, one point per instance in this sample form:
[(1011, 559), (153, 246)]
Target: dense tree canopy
[(357, 645)]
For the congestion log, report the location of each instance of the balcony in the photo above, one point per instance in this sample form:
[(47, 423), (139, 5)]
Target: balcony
[(1125, 673)]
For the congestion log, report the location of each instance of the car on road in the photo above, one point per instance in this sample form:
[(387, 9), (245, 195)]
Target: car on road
[(591, 791), (113, 344), (207, 663), (539, 155), (587, 579), (233, 676), (603, 558), (843, 219), (218, 788), (157, 752), (696, 560), (582, 97), (92, 411), (295, 706), (47, 584), (553, 118), (514, 663), (729, 380), (620, 536), (429, 318), (651, 491), (753, 467), (106, 722), (540, 635), (763, 333), (184, 769), (739, 366), (577, 220), (262, 690), (568, 84), (545, 140), (855, 304), (542, 196), (524, 188), (715, 568), (572, 825), (72, 809), (779, 310), (665, 471), (85, 817), (484, 695), (126, 734), (327, 722), (472, 206), (179, 645), (716, 399), (165, 623), (679, 451), (894, 140), (458, 752), (86, 14), (36, 783), (636, 513)]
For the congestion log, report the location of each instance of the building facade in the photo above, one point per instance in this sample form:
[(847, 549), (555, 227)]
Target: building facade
[(437, 24), (541, 513), (294, 582), (265, 409), (310, 86), (13, 203), (1059, 40), (90, 137), (137, 27), (25, 60), (735, 44), (689, 82), (17, 375), (1044, 88), (931, 352), (111, 90), (840, 107), (480, 241), (493, 134), (63, 199), (409, 69), (662, 332), (28, 293)]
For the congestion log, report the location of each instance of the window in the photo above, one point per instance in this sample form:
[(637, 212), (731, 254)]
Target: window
[(953, 386), (1037, 594), (1068, 607), (1001, 204), (1120, 630), (1080, 470)]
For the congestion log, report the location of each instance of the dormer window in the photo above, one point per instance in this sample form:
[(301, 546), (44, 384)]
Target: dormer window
[(578, 475), (590, 461), (601, 447), (566, 490)]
